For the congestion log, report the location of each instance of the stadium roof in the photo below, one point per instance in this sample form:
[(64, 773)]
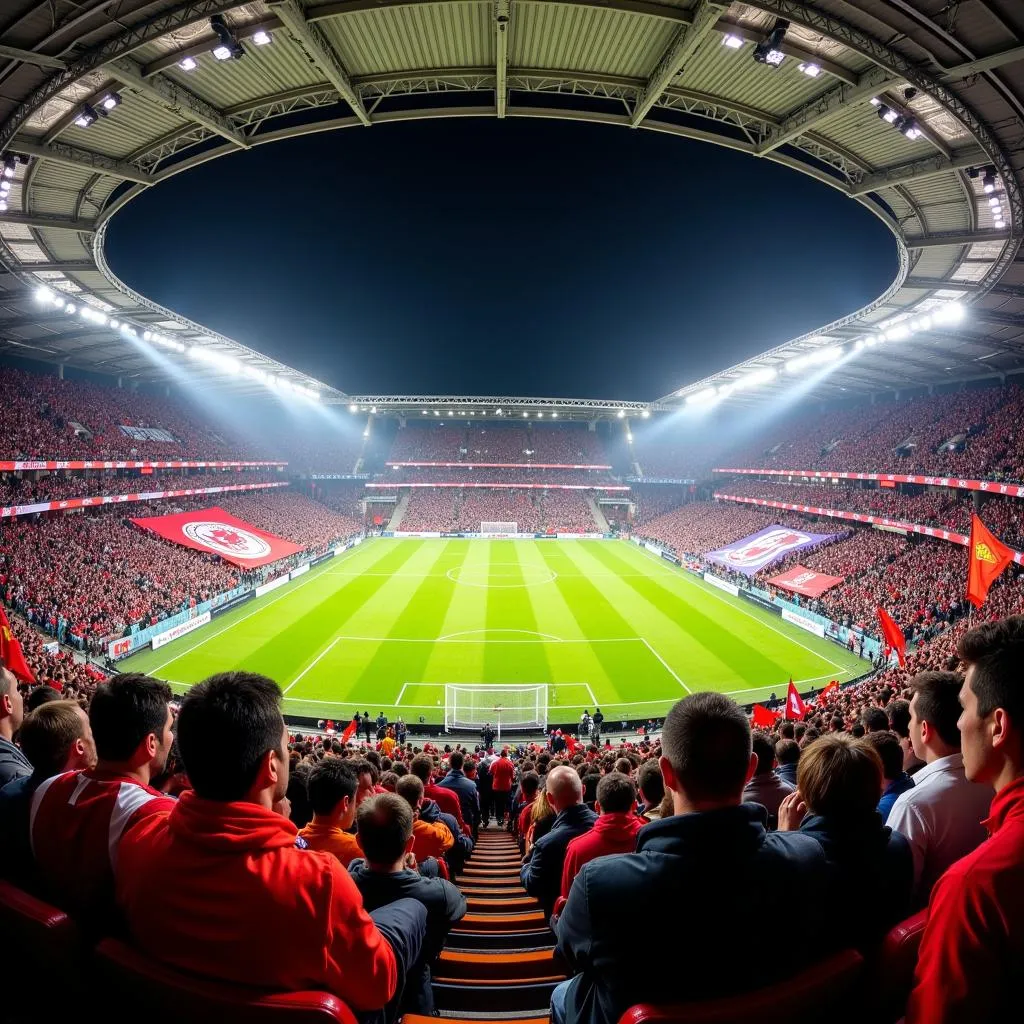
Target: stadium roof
[(903, 105)]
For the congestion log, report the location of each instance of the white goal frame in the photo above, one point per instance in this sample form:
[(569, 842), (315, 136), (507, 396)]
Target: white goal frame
[(496, 528), (472, 706)]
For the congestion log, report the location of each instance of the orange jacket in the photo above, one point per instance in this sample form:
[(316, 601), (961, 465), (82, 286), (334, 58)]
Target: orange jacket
[(431, 840)]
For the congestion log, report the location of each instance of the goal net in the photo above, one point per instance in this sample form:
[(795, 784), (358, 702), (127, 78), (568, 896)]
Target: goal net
[(523, 706), (486, 528)]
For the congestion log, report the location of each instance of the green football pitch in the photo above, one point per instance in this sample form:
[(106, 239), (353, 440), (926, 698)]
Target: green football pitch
[(387, 624)]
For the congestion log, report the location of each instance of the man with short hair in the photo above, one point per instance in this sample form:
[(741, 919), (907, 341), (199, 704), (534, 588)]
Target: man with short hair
[(13, 763), (874, 719), (55, 738), (712, 862), (469, 799), (430, 839), (614, 831), (78, 819), (529, 785), (942, 814), (894, 779), (899, 723), (973, 943), (447, 801), (541, 873), (286, 918), (652, 789), (503, 772), (787, 756), (766, 788), (331, 787), (388, 874)]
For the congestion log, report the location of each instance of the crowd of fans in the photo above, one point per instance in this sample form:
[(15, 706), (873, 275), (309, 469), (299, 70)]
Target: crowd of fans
[(563, 443), (452, 510), (499, 475), (292, 516), (655, 500)]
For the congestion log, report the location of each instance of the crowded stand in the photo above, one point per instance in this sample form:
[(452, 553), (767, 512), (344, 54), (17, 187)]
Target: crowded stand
[(476, 507), (293, 516), (566, 443), (431, 508), (499, 475), (656, 500)]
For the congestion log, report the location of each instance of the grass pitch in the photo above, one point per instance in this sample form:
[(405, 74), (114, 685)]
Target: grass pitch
[(388, 623)]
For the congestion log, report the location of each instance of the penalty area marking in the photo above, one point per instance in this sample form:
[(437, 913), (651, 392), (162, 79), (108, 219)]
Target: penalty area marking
[(477, 632), (312, 664), (665, 664)]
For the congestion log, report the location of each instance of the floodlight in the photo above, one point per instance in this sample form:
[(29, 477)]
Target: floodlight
[(621, 414), (554, 415), (450, 412), (768, 50), (875, 101), (436, 413), (261, 38), (700, 397), (629, 438), (69, 308), (86, 116), (525, 414), (733, 42), (110, 101), (114, 324), (5, 187), (147, 335), (999, 223), (222, 52), (988, 181), (188, 64), (3, 205), (810, 70), (229, 48), (897, 333), (888, 114), (10, 164), (950, 313), (994, 201), (646, 414), (43, 294), (353, 408), (540, 415)]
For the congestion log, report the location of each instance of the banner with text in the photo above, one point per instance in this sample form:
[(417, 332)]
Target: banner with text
[(213, 529), (753, 553), (802, 580)]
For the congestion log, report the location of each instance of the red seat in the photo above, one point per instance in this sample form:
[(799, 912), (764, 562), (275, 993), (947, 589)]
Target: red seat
[(893, 968), (172, 997), (822, 993)]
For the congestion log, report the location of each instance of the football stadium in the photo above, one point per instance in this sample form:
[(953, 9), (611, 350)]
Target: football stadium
[(346, 678)]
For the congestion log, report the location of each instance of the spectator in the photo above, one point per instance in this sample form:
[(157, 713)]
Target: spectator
[(941, 815), (615, 830), (80, 818), (839, 783), (388, 875), (894, 779), (55, 738), (971, 950), (652, 789), (766, 788), (541, 873), (331, 787), (787, 754), (446, 799), (874, 719), (13, 763), (38, 696), (503, 771), (899, 723), (712, 862), (234, 860), (457, 782), (529, 784), (430, 839)]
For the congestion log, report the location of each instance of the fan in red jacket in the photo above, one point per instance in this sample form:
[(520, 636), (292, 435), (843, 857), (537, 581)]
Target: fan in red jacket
[(614, 831), (503, 771), (218, 887)]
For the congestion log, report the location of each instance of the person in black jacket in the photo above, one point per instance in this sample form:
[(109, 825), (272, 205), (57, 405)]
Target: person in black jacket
[(465, 789), (541, 873), (388, 874), (711, 872)]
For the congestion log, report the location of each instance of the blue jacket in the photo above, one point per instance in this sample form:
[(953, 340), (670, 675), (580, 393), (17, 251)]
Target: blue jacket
[(541, 875), (900, 784), (469, 799), (711, 880), (787, 772)]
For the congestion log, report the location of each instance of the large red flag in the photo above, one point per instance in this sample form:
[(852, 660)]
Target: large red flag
[(10, 651), (795, 707), (350, 730), (892, 635), (987, 557), (764, 718), (830, 688)]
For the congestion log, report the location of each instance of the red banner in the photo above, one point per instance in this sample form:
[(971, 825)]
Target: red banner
[(25, 464), (10, 511), (213, 529), (802, 580)]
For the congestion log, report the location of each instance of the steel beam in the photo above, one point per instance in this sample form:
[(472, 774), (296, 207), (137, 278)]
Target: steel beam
[(502, 14), (84, 159), (177, 99), (955, 238), (32, 220), (40, 60), (970, 287), (312, 39), (916, 170), (682, 47), (823, 107), (976, 67), (65, 266)]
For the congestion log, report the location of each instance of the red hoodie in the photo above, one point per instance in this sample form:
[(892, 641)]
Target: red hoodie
[(612, 833), (219, 889)]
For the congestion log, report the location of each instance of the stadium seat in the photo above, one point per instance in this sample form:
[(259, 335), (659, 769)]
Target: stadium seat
[(821, 993), (171, 997), (893, 967)]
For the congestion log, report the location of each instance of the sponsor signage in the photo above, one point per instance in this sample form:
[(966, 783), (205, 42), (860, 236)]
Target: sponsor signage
[(669, 557), (802, 580), (729, 588), (761, 602), (266, 588), (860, 517), (119, 648), (753, 553), (180, 630), (804, 623), (304, 568), (26, 464), (890, 479)]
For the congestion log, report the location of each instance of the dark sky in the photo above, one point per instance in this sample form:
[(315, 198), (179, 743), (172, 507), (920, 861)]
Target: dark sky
[(518, 256)]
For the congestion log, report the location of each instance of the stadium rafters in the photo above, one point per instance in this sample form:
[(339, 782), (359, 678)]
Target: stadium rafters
[(950, 86)]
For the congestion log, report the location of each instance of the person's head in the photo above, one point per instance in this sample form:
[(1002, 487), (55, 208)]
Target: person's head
[(131, 719), (456, 761), (992, 698), (887, 746), (530, 783), (56, 738), (764, 749), (564, 788), (422, 767), (874, 720), (899, 718), (787, 752), (836, 723), (385, 830), (388, 781), (12, 704), (38, 696), (839, 776), (623, 765), (410, 789), (233, 740), (651, 784), (616, 794), (934, 711), (787, 730), (331, 786), (707, 757)]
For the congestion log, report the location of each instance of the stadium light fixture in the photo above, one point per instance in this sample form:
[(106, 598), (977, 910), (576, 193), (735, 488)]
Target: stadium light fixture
[(451, 412), (110, 101), (43, 294), (734, 42), (229, 47), (554, 415), (262, 38), (646, 414), (69, 308), (540, 415), (86, 116), (3, 205), (353, 408), (222, 52), (811, 70), (950, 313), (887, 114), (816, 358), (769, 50), (525, 414), (988, 180), (188, 64), (629, 438), (10, 166), (621, 414)]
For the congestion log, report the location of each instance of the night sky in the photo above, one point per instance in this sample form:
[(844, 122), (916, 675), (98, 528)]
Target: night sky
[(475, 256)]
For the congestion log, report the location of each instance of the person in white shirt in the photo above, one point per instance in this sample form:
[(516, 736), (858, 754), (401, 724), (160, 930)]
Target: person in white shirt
[(941, 816)]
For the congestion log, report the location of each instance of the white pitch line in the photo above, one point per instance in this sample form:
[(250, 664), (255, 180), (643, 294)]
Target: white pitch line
[(312, 664), (750, 615), (472, 632), (285, 592), (666, 665), (401, 694), (441, 640), (593, 699)]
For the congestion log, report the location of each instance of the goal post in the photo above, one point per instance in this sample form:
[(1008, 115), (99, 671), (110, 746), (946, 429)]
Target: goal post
[(504, 706), (500, 529)]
